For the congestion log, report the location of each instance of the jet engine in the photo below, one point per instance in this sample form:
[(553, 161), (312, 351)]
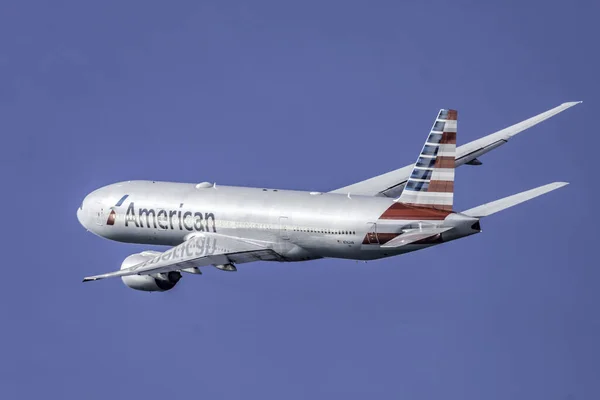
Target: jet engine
[(160, 282)]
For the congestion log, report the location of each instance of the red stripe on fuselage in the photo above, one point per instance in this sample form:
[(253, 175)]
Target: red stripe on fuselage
[(416, 213)]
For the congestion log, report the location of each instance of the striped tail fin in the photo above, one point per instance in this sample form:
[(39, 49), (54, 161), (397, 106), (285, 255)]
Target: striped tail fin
[(431, 183)]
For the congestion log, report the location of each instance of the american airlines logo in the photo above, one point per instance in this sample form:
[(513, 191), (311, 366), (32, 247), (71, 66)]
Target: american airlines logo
[(162, 218), (198, 246)]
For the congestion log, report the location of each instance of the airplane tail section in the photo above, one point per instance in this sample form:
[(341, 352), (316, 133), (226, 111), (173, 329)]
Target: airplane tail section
[(495, 206), (431, 183)]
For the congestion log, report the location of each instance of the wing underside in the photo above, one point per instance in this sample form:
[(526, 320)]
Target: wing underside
[(199, 251)]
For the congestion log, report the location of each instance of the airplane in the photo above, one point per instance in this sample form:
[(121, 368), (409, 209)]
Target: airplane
[(401, 211)]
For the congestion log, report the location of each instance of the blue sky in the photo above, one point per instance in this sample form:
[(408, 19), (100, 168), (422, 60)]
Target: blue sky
[(306, 95)]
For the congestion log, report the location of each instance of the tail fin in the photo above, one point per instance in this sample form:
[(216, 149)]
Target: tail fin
[(491, 208), (431, 183)]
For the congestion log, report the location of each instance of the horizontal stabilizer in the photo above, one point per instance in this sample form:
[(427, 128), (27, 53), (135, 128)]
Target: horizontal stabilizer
[(491, 208), (414, 235)]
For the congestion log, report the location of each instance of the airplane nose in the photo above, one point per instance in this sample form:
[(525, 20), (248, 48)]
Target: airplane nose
[(81, 213)]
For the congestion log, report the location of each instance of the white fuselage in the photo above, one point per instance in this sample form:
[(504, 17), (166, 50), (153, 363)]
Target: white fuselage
[(300, 225)]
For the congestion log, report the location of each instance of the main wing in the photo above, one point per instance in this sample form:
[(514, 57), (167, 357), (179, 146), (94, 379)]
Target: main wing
[(391, 184), (198, 251)]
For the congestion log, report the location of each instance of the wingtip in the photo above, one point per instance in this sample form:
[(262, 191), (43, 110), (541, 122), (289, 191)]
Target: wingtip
[(572, 103), (556, 185)]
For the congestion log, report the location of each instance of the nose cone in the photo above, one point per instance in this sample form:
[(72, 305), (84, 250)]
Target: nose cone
[(85, 211), (81, 214), (93, 211), (79, 211)]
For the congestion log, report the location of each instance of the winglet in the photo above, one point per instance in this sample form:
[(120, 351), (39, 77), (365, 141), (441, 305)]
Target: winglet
[(495, 206)]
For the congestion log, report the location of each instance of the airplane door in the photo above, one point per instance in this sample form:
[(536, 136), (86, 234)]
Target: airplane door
[(372, 233), (284, 228)]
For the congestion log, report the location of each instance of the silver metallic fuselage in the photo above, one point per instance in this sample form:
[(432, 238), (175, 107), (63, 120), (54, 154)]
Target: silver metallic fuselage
[(300, 225)]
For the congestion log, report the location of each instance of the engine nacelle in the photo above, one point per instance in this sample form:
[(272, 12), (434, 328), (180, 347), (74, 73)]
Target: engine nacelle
[(150, 283)]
